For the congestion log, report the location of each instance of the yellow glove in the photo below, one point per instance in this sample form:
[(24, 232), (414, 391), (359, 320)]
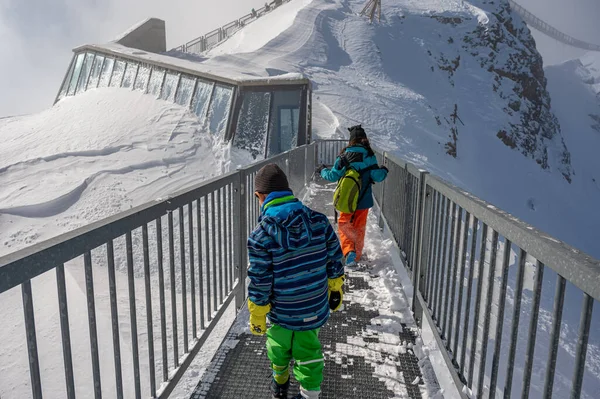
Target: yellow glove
[(258, 317), (335, 292)]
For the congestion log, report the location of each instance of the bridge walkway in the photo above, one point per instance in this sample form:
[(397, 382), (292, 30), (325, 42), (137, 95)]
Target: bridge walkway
[(369, 346)]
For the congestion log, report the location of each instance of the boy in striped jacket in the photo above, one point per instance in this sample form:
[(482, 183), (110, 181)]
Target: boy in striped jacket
[(296, 277)]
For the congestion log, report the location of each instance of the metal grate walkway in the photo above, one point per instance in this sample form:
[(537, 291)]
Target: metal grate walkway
[(356, 364)]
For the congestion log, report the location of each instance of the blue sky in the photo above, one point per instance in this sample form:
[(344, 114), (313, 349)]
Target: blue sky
[(36, 36)]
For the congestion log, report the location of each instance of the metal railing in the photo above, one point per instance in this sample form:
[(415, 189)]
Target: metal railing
[(219, 35), (549, 30), (463, 236), (190, 252), (456, 247)]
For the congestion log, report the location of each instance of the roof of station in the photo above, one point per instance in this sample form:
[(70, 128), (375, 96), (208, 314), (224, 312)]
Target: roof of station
[(193, 64)]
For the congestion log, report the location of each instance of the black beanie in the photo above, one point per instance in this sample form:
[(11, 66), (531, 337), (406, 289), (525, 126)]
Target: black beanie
[(270, 178), (357, 132)]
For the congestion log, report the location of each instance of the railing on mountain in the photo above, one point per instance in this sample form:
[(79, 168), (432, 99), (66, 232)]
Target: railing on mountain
[(199, 235), (446, 235), (549, 30), (217, 36), (443, 233)]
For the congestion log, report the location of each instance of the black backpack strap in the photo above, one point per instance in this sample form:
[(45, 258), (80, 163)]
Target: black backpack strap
[(362, 195), (368, 169)]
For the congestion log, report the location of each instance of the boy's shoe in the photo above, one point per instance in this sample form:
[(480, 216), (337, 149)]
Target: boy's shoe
[(307, 394), (280, 391), (351, 259)]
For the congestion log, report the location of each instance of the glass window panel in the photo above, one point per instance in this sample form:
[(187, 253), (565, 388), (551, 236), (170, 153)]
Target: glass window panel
[(67, 82), (185, 90), (118, 72), (86, 68), (96, 71), (288, 129), (156, 79), (75, 76), (130, 73), (253, 124), (168, 91), (201, 99), (141, 80), (219, 109), (283, 131), (106, 72)]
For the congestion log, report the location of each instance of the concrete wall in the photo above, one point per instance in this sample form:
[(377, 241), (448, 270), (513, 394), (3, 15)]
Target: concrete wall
[(149, 35)]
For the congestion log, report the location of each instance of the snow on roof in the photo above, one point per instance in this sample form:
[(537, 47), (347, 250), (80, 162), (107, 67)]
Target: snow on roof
[(194, 65)]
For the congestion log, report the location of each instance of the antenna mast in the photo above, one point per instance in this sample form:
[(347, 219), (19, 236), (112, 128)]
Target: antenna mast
[(371, 8)]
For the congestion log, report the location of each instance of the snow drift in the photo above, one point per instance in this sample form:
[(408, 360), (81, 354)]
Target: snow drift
[(94, 155)]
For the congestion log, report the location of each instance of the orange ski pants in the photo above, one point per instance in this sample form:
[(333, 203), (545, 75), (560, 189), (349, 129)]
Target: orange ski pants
[(352, 231)]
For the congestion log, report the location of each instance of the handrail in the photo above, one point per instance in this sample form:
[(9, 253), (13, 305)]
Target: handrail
[(549, 30), (219, 35), (548, 250), (200, 231), (443, 233)]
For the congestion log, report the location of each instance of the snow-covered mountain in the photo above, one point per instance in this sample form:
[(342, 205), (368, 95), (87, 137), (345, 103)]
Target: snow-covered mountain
[(456, 87), (575, 90)]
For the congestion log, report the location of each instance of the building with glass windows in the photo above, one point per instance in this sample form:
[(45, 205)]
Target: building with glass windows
[(265, 115)]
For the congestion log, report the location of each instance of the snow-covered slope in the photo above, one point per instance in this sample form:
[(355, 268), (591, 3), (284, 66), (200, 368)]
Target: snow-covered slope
[(575, 90), (456, 87), (93, 155)]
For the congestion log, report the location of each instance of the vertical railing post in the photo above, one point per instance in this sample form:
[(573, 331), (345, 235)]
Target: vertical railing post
[(383, 184), (421, 231), (32, 347), (239, 234), (306, 165), (287, 163)]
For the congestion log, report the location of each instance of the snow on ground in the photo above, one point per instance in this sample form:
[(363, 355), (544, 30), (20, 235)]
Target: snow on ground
[(388, 294), (278, 20), (122, 147), (575, 87)]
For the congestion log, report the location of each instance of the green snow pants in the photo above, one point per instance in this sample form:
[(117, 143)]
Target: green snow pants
[(304, 347)]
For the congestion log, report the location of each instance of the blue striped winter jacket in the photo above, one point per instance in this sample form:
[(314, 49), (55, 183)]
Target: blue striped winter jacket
[(293, 251), (359, 158)]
